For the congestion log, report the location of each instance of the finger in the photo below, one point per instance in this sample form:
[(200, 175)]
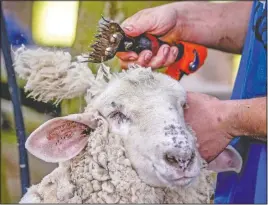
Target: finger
[(161, 57), (171, 56), (137, 24), (127, 56), (144, 58)]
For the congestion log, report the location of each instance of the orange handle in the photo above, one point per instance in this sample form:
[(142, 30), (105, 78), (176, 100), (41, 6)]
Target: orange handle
[(193, 58), (190, 56)]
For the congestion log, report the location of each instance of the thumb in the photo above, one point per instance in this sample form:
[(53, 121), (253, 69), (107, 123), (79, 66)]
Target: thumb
[(137, 25)]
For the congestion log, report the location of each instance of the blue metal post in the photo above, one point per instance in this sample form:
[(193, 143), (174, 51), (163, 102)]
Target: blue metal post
[(14, 93)]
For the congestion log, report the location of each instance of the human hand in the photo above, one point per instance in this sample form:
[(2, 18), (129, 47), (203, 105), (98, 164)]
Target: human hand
[(160, 21), (207, 116), (195, 22)]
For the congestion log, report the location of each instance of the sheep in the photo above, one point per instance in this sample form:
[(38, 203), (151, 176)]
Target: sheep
[(131, 143)]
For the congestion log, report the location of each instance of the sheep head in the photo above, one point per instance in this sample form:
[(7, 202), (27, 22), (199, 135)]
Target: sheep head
[(147, 110)]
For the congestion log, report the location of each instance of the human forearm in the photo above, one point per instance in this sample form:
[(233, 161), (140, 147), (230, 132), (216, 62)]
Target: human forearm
[(246, 117), (221, 26)]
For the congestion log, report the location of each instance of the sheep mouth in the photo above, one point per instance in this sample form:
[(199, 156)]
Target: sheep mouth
[(183, 181), (173, 182)]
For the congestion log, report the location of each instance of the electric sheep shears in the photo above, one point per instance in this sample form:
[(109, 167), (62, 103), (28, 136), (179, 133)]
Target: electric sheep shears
[(111, 39)]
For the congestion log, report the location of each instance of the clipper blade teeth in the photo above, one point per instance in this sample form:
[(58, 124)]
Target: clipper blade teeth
[(107, 39), (105, 25), (98, 35)]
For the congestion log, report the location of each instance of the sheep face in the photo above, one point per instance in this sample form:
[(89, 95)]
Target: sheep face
[(146, 109)]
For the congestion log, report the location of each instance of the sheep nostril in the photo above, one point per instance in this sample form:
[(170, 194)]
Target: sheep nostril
[(171, 159), (180, 161), (189, 161)]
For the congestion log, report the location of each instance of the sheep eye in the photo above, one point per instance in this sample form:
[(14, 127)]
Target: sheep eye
[(171, 159), (120, 117), (116, 114)]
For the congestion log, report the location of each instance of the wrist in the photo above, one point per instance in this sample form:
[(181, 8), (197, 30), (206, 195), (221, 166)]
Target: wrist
[(228, 116), (198, 21), (245, 117), (219, 26)]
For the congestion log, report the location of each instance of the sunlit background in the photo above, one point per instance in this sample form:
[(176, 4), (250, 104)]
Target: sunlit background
[(71, 25), (54, 22)]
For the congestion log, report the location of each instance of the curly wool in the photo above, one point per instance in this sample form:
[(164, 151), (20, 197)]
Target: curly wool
[(102, 173)]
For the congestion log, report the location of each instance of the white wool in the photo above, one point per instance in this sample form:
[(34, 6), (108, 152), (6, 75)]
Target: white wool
[(102, 173), (51, 75), (101, 81)]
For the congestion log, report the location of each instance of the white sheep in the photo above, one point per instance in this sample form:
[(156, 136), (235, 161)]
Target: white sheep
[(131, 144)]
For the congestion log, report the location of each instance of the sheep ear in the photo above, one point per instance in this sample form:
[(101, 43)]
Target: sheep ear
[(228, 160), (61, 138)]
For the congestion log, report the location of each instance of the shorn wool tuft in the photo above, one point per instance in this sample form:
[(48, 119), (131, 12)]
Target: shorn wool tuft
[(51, 75)]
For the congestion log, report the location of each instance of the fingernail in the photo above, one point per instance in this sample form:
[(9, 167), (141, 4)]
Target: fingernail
[(128, 28), (131, 58), (148, 56), (175, 52), (166, 50)]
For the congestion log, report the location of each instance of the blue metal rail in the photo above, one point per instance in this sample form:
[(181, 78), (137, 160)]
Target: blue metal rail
[(14, 93)]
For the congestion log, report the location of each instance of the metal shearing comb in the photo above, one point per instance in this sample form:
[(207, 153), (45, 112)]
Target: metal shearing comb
[(111, 39)]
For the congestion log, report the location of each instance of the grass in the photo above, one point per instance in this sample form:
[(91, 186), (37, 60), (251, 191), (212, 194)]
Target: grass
[(7, 137), (4, 189)]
